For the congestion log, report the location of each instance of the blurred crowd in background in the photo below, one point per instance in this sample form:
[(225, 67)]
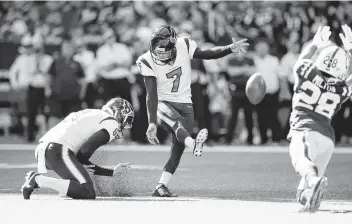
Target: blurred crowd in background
[(59, 57)]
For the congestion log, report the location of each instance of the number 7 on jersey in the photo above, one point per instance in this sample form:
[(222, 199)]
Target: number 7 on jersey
[(177, 72)]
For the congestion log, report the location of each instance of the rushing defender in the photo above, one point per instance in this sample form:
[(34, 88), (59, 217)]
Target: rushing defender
[(166, 68), (68, 146), (314, 103)]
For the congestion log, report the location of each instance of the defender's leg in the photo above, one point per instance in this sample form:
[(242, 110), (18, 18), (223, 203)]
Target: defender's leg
[(304, 149)]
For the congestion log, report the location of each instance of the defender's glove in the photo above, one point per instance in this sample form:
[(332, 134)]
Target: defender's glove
[(151, 134), (321, 37), (346, 38)]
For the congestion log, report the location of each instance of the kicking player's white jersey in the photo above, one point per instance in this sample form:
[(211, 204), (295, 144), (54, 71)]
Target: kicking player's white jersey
[(173, 81), (79, 126)]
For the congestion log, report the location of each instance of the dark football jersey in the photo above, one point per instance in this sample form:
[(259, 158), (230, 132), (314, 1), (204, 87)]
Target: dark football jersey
[(314, 102)]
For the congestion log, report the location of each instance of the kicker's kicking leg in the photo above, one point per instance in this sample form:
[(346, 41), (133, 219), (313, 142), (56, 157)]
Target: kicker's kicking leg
[(184, 137)]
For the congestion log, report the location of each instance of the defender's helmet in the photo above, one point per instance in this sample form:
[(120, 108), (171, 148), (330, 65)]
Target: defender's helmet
[(122, 110), (334, 61), (162, 45)]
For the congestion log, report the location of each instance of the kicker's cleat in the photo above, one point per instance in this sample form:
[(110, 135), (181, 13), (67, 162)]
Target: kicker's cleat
[(316, 194), (163, 191), (29, 185), (199, 142)]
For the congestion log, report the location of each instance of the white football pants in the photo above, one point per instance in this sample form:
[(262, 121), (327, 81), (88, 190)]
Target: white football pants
[(313, 146)]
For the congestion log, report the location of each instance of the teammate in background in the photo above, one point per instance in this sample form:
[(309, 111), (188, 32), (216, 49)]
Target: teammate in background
[(67, 148), (314, 103), (166, 69)]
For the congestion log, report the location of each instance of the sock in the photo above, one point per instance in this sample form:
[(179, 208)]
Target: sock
[(180, 132), (311, 177), (189, 142), (303, 184), (59, 185), (164, 179)]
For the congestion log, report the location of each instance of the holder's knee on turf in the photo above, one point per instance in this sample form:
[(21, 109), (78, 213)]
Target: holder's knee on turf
[(81, 191)]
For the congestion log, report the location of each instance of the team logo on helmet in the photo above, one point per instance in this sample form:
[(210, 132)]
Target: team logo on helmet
[(122, 110)]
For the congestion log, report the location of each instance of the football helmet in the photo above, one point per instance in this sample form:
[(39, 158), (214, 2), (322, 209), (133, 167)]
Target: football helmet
[(122, 110), (163, 45), (334, 61)]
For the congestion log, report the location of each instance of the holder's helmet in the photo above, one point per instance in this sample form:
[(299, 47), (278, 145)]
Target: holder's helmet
[(122, 110)]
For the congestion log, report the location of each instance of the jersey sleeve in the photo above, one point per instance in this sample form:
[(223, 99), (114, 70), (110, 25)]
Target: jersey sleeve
[(111, 125), (191, 46), (303, 70), (144, 67)]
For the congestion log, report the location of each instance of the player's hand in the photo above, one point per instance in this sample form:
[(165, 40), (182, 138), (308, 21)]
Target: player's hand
[(119, 168), (239, 46), (346, 37), (151, 134), (89, 168), (321, 37)]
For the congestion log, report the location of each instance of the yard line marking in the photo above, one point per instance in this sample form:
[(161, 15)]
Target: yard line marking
[(17, 166), (164, 148), (133, 167)]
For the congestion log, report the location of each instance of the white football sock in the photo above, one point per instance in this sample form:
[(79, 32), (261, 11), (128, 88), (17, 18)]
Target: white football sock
[(303, 184), (189, 142), (164, 179), (59, 185)]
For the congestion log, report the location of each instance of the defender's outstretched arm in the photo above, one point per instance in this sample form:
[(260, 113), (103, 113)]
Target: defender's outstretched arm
[(321, 39)]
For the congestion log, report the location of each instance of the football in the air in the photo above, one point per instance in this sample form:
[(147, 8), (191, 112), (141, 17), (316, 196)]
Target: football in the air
[(255, 88)]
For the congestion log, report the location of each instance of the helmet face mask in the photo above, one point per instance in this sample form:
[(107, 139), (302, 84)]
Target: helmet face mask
[(163, 45), (121, 110), (334, 61)]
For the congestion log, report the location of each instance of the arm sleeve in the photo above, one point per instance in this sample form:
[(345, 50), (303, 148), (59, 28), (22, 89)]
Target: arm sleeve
[(111, 126), (98, 139), (308, 52), (152, 98), (212, 53)]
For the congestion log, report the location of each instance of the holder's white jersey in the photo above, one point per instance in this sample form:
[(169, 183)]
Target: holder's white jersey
[(79, 126), (173, 81)]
